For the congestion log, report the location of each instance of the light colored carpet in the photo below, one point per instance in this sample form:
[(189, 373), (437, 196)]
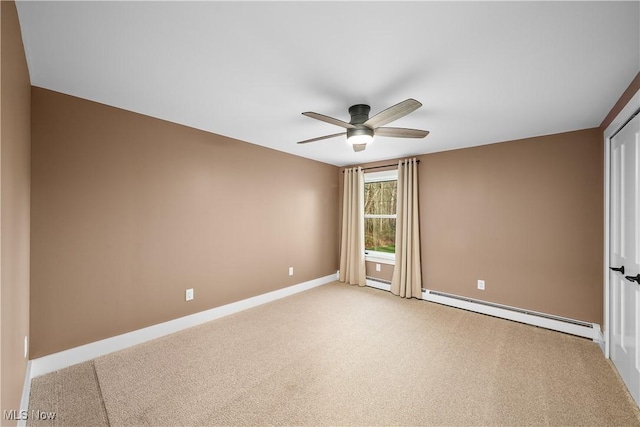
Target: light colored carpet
[(72, 394), (343, 355)]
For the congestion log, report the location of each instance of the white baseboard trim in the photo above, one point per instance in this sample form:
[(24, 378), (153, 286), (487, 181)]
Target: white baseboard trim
[(600, 340), (378, 285), (26, 392), (53, 362), (556, 323)]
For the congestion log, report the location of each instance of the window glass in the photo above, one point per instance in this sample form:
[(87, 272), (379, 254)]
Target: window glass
[(380, 234), (380, 216), (380, 198)]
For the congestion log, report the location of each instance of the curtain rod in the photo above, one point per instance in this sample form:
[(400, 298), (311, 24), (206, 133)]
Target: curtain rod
[(383, 166)]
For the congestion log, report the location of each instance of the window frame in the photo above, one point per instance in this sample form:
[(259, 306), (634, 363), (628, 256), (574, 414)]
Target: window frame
[(376, 256)]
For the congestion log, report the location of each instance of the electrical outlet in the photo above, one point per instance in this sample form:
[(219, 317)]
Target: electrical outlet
[(188, 295), (26, 347), (481, 285), (290, 271), (378, 267)]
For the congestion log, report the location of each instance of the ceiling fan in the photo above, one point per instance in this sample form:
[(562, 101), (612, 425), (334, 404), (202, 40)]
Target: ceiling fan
[(361, 128)]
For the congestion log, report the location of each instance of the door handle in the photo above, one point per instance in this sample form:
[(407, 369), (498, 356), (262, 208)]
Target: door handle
[(620, 269), (633, 279)]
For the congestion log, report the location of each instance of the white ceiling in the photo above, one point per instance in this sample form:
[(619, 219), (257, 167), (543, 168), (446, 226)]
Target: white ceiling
[(485, 71)]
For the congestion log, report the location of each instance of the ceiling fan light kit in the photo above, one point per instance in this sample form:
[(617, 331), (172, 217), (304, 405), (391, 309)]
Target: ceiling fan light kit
[(361, 128), (359, 136)]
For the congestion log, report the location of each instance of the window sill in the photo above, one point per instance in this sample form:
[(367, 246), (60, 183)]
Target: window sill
[(390, 260)]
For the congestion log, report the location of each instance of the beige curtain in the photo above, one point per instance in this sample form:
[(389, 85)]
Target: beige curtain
[(352, 267), (407, 277)]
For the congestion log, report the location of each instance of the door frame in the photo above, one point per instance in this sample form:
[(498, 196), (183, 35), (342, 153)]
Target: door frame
[(620, 120)]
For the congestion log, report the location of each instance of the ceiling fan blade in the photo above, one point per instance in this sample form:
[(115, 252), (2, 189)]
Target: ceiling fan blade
[(359, 147), (393, 113), (401, 132), (322, 137), (328, 119)]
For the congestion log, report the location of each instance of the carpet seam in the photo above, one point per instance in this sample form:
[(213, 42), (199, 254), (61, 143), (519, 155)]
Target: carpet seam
[(104, 406)]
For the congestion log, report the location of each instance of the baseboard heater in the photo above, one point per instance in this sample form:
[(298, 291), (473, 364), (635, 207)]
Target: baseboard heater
[(548, 321), (374, 282)]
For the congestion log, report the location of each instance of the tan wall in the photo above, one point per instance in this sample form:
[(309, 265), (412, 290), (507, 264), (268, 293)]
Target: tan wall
[(14, 214), (525, 216), (130, 211), (385, 273)]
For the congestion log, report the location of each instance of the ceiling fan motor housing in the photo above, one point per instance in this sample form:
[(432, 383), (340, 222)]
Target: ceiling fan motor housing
[(359, 114)]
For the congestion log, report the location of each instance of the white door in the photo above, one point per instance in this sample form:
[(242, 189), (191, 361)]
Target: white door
[(625, 255)]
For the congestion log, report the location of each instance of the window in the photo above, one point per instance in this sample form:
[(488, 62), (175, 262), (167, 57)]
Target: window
[(380, 215)]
